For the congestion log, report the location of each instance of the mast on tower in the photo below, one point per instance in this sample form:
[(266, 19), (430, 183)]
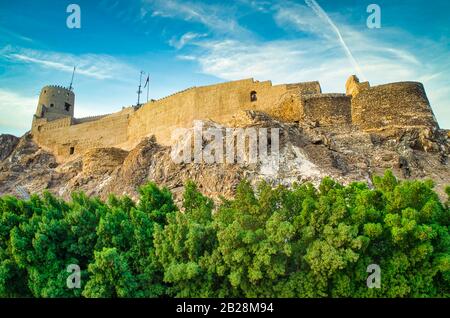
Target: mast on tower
[(139, 89), (147, 84), (71, 81)]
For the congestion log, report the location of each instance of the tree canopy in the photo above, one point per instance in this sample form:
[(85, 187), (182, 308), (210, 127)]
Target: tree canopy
[(265, 242)]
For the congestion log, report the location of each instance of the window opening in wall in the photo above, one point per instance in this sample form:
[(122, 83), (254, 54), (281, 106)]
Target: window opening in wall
[(72, 150), (253, 96), (51, 105), (67, 106)]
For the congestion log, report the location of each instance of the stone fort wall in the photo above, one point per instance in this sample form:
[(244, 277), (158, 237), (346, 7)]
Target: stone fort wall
[(367, 107), (393, 105), (326, 109), (218, 103), (64, 138)]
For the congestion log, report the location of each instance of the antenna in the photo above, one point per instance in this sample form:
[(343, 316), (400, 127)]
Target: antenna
[(139, 89), (147, 84), (71, 82)]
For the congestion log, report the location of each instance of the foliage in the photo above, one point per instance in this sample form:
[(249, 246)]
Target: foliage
[(266, 242)]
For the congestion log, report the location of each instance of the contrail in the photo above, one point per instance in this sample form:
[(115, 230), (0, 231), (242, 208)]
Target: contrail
[(324, 16)]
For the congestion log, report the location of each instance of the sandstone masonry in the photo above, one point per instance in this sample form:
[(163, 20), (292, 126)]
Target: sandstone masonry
[(383, 108)]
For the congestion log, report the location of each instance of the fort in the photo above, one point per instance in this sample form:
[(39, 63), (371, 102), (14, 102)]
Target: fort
[(378, 108)]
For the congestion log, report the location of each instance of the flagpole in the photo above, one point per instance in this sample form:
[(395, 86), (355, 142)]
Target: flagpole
[(71, 81), (148, 85)]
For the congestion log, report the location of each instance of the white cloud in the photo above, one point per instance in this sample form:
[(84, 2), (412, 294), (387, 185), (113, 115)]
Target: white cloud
[(155, 14), (187, 57), (16, 35), (218, 18), (325, 17), (91, 65), (258, 5), (301, 18), (185, 39), (16, 111)]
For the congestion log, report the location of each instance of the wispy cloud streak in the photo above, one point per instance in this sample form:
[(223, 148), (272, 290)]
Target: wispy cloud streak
[(91, 65), (185, 39), (323, 15), (218, 18)]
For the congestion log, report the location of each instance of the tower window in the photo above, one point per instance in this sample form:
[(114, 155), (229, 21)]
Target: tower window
[(253, 97), (72, 150), (67, 106), (51, 105)]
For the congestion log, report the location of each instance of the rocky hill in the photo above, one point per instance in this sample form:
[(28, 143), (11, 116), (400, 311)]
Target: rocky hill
[(308, 152)]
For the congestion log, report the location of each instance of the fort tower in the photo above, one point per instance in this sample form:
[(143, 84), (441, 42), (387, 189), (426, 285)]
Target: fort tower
[(55, 102)]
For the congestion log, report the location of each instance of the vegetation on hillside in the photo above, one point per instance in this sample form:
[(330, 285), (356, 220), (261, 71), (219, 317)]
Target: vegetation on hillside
[(272, 242)]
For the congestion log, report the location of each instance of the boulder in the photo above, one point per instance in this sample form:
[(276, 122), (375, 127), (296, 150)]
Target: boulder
[(7, 144)]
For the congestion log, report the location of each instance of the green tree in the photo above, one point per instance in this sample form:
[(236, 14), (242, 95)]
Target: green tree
[(128, 229), (301, 241), (110, 276), (184, 245)]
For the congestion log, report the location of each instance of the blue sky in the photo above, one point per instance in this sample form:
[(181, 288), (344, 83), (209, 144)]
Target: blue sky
[(193, 43)]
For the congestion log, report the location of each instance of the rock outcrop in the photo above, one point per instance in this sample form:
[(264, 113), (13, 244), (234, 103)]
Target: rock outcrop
[(308, 152), (8, 143)]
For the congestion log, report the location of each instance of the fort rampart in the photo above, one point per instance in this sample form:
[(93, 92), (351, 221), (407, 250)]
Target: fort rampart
[(391, 105), (326, 109)]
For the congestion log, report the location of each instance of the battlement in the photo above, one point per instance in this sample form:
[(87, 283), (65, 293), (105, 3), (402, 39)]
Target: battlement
[(56, 87), (77, 121), (387, 106), (305, 88), (175, 94)]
